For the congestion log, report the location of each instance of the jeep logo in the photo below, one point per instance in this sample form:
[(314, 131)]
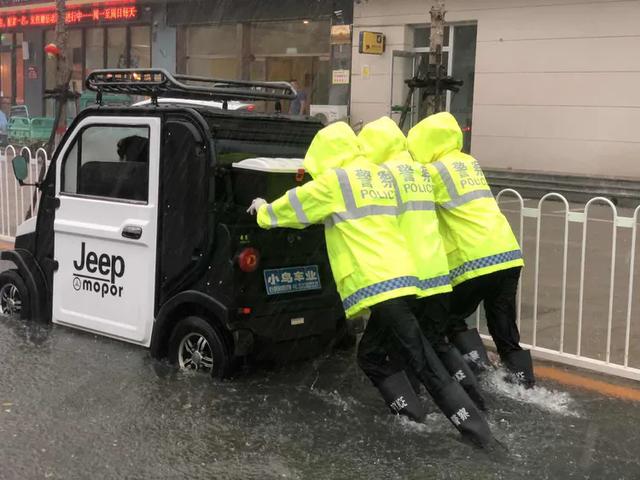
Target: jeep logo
[(104, 270)]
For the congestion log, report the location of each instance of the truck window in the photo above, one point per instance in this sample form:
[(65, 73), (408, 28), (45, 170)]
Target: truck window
[(183, 219), (108, 161)]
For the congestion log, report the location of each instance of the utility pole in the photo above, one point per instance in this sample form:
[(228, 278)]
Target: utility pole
[(61, 92), (431, 76), (437, 102)]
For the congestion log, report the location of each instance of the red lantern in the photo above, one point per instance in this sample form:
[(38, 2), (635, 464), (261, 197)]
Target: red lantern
[(52, 50)]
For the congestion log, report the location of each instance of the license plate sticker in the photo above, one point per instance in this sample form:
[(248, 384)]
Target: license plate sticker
[(292, 279)]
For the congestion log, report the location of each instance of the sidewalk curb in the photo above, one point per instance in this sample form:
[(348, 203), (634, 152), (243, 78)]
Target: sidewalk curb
[(586, 383)]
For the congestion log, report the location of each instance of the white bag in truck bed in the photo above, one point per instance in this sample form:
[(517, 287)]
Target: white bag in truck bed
[(270, 164)]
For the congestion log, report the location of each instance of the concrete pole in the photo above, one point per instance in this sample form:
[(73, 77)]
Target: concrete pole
[(437, 102), (63, 77)]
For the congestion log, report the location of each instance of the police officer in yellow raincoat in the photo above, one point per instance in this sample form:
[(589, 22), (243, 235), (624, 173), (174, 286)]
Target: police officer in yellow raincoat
[(383, 143), (484, 256), (371, 266)]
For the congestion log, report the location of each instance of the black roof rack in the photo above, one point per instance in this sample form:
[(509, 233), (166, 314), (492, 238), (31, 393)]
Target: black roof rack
[(157, 82)]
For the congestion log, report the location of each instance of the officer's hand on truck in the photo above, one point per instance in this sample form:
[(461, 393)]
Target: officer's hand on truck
[(255, 205)]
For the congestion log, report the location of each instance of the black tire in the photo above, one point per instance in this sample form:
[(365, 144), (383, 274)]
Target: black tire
[(186, 334), (12, 288)]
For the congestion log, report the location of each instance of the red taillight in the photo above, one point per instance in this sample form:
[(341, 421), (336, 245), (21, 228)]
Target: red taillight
[(251, 107), (248, 259)]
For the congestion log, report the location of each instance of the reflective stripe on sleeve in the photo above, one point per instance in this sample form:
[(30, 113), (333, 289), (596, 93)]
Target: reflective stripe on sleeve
[(483, 262), (361, 212), (297, 206), (378, 288), (467, 197), (272, 216)]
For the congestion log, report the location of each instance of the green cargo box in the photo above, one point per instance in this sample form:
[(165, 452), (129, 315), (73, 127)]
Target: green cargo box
[(19, 130), (41, 129)]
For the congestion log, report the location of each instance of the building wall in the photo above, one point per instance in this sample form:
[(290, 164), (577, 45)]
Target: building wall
[(556, 83), (163, 41)]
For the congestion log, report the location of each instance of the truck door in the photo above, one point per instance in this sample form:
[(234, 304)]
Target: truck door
[(106, 227)]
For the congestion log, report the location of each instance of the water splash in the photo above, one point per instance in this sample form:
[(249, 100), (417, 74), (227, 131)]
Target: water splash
[(346, 404), (553, 401), (433, 422)]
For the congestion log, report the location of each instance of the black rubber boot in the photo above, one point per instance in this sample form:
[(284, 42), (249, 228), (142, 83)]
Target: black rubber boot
[(463, 414), (415, 382), (472, 349), (399, 395), (520, 368), (461, 373)]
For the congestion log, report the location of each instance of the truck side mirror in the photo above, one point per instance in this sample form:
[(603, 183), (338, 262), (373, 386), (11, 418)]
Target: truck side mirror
[(20, 168)]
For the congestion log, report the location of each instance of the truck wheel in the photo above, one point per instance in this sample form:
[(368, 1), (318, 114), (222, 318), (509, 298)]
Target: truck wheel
[(14, 296), (196, 345)]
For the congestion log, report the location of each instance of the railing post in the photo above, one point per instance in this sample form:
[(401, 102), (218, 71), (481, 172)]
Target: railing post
[(612, 277), (632, 262), (520, 241), (564, 265)]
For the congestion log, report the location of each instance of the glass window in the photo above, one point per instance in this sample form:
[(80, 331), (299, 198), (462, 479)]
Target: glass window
[(421, 37), (290, 38), (212, 51), (109, 161), (94, 49), (464, 66), (213, 67), (212, 40), (140, 47), (117, 48)]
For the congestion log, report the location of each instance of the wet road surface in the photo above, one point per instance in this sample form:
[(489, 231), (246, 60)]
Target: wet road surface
[(73, 405)]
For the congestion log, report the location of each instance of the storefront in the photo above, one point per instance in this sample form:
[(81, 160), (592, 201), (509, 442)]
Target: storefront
[(101, 34), (251, 40), (260, 41)]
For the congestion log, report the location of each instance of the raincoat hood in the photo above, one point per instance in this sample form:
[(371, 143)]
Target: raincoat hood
[(382, 140), (434, 137), (334, 146)]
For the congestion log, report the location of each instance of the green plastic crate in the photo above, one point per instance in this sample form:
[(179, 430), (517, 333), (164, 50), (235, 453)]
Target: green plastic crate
[(19, 130)]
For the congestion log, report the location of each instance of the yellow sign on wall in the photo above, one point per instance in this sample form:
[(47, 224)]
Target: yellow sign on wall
[(372, 43)]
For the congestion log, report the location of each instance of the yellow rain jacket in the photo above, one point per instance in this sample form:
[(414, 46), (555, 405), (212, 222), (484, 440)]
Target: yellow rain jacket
[(367, 251), (383, 143), (478, 238)]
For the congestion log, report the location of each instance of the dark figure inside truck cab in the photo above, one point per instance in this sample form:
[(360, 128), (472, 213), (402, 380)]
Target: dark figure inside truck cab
[(133, 149)]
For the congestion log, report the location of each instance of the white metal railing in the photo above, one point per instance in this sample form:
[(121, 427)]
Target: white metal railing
[(623, 368), (18, 203)]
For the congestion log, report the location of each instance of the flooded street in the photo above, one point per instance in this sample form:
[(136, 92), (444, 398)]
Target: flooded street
[(79, 406)]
